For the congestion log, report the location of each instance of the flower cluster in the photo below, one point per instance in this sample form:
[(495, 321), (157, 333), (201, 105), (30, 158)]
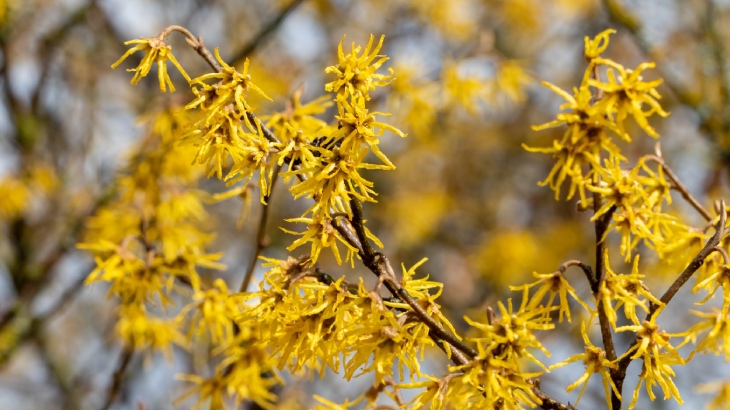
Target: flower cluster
[(156, 51), (150, 244), (593, 109), (330, 166), (496, 374), (630, 203), (150, 241), (302, 319)]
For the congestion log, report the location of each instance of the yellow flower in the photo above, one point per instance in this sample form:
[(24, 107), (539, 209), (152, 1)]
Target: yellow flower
[(218, 100), (512, 80), (298, 117), (658, 355), (356, 75), (460, 89), (385, 338), (254, 156), (488, 382), (581, 145), (156, 51), (358, 127), (627, 290), (595, 361), (321, 234), (511, 336), (626, 94), (16, 196), (720, 278), (717, 340), (722, 388), (214, 311), (245, 374), (553, 284), (140, 331), (594, 47), (333, 179), (617, 187)]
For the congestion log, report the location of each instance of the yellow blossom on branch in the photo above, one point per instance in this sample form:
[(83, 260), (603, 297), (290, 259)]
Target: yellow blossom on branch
[(625, 290), (717, 338), (356, 74), (357, 127), (322, 235), (594, 359), (551, 285), (140, 331), (156, 52), (654, 348), (626, 93), (594, 47), (231, 87), (510, 337)]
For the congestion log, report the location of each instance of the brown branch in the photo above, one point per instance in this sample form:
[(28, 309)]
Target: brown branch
[(601, 226), (118, 378), (723, 252), (718, 50), (584, 267), (619, 374), (681, 188), (266, 31), (194, 42), (549, 403), (261, 242), (378, 263)]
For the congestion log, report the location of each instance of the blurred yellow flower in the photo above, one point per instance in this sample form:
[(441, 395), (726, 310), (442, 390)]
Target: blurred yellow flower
[(156, 51)]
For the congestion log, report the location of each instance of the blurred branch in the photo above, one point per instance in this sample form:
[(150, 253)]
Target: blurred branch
[(261, 241), (30, 329), (118, 378), (54, 369), (266, 31)]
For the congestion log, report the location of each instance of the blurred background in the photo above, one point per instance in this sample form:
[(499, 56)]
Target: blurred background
[(464, 193)]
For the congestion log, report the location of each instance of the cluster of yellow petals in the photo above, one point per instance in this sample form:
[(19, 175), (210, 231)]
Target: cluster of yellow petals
[(156, 51), (593, 109), (330, 166), (302, 319)]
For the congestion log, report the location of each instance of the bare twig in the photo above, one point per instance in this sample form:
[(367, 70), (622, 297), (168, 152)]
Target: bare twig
[(678, 186), (266, 31), (118, 378), (261, 242), (723, 252), (549, 403), (584, 267), (601, 226)]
